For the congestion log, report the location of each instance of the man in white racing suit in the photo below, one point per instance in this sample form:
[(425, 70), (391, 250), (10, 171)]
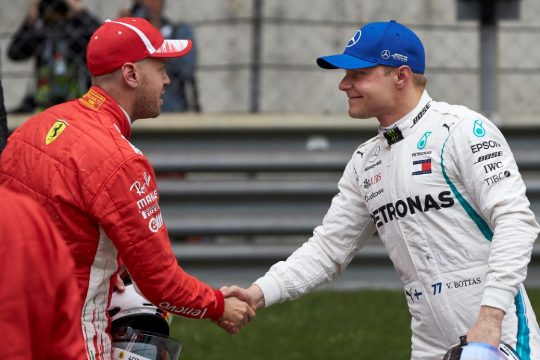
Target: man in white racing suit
[(441, 187)]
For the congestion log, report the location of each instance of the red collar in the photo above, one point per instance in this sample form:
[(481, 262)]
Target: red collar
[(98, 100)]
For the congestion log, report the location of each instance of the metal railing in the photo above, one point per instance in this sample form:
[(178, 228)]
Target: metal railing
[(269, 182)]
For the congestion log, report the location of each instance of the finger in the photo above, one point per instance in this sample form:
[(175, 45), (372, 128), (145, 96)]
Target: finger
[(119, 286), (241, 318), (229, 327), (251, 313), (229, 291), (226, 291), (241, 294)]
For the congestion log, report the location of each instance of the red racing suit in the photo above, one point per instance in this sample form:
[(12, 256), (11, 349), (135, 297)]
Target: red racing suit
[(76, 160), (41, 312)]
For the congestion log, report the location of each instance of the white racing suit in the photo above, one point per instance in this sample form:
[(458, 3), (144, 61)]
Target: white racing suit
[(444, 193)]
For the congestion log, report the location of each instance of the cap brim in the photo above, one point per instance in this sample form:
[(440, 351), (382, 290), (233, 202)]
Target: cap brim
[(173, 48), (343, 61)]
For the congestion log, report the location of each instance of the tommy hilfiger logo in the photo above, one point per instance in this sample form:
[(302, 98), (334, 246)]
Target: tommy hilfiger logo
[(424, 167)]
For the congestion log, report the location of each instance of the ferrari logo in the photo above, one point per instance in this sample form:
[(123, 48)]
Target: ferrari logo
[(55, 131)]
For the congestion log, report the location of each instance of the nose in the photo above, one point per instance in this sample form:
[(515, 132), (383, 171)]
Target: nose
[(166, 78), (345, 83)]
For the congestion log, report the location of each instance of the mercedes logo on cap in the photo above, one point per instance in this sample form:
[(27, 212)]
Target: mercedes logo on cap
[(355, 38), (385, 54)]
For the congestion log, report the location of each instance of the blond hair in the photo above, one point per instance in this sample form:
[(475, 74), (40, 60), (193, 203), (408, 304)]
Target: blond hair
[(419, 80)]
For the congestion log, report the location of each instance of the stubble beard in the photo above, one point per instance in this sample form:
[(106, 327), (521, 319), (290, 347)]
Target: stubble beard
[(146, 104)]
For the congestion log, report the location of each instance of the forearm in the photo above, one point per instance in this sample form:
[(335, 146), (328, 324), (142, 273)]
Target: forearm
[(167, 286)]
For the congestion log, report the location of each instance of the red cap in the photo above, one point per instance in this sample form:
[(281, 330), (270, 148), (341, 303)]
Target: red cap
[(123, 40)]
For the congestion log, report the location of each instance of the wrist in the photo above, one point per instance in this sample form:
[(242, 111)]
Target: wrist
[(257, 296), (491, 314), (220, 306)]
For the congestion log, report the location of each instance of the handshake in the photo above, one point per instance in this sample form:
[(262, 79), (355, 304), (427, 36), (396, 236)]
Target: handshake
[(240, 307)]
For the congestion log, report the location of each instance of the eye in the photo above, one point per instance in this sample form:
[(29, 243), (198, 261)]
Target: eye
[(358, 74)]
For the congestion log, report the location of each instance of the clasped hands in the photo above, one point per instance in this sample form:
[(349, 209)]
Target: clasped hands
[(240, 307)]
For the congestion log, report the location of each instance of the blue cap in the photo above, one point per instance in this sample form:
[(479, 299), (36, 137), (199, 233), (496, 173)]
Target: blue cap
[(379, 43)]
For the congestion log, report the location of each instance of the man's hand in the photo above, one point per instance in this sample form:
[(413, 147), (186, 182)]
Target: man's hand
[(252, 295), (488, 326), (119, 286), (237, 314)]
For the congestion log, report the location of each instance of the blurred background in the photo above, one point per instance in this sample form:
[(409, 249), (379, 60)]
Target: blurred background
[(258, 55), (254, 139)]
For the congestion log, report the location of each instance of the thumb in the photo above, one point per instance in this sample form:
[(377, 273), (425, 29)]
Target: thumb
[(226, 290)]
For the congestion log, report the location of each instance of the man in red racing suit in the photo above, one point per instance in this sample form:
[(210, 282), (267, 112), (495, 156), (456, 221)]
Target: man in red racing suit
[(40, 303), (76, 160)]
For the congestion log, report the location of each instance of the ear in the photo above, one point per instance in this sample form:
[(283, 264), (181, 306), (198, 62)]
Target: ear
[(130, 75), (404, 74)]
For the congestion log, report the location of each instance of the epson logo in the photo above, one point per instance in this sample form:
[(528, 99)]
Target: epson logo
[(402, 208), (484, 145)]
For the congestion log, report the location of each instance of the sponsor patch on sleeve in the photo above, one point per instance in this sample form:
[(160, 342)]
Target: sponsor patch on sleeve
[(147, 202), (92, 99), (58, 127)]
